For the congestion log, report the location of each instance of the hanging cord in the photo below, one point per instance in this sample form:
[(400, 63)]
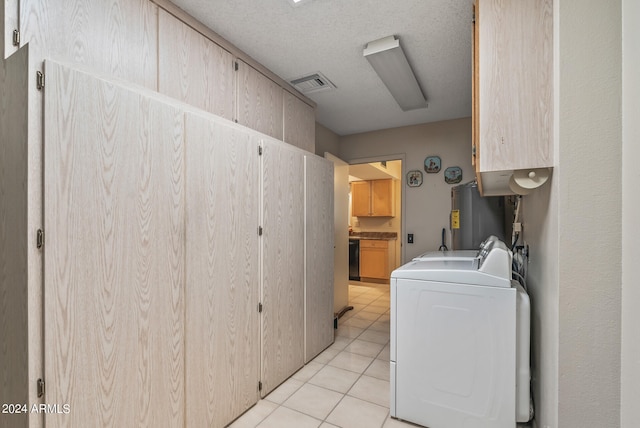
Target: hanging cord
[(443, 247)]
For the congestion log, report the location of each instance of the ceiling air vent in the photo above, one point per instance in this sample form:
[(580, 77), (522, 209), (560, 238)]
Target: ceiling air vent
[(315, 82)]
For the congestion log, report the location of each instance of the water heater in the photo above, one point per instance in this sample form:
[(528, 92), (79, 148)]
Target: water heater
[(474, 218)]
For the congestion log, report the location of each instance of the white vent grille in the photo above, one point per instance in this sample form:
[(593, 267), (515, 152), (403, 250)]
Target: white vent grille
[(315, 82)]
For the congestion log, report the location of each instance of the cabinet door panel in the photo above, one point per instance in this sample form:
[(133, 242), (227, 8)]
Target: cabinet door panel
[(115, 37), (193, 69), (299, 123), (259, 102), (382, 198), (283, 263), (114, 268), (374, 261), (360, 199), (222, 336), (515, 66), (319, 224)]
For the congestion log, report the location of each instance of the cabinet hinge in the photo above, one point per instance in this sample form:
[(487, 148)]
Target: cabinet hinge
[(39, 80), (259, 230), (39, 239), (259, 385), (40, 387), (260, 307), (259, 150), (235, 65), (16, 38)]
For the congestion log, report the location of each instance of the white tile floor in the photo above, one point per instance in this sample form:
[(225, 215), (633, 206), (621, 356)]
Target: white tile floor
[(347, 385)]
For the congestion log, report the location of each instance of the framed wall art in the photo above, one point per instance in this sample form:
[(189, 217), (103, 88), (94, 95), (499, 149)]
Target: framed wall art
[(453, 175), (432, 164), (414, 178)]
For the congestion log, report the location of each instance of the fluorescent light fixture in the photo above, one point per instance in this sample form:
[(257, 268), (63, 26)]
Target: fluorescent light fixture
[(387, 59)]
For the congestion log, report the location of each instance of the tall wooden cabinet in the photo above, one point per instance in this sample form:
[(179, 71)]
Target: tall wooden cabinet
[(222, 270), (162, 303), (513, 89)]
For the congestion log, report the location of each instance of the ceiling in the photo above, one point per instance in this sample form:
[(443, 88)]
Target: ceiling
[(328, 36)]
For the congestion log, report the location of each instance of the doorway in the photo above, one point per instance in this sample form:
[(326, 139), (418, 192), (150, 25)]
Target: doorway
[(375, 217)]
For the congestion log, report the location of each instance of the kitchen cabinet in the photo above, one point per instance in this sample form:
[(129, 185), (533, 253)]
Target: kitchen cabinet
[(372, 198), (512, 90), (376, 258)]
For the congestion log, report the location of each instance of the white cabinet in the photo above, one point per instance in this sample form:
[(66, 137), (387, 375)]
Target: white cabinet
[(513, 93)]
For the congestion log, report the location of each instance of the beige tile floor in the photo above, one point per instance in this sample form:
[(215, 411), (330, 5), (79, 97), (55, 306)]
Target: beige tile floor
[(345, 386)]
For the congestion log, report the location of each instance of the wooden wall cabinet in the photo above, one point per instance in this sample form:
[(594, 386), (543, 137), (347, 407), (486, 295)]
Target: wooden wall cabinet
[(193, 69), (147, 309), (376, 258), (372, 198), (512, 90), (260, 102), (155, 44)]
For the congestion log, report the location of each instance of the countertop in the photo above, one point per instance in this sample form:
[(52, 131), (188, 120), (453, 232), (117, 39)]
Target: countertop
[(386, 236)]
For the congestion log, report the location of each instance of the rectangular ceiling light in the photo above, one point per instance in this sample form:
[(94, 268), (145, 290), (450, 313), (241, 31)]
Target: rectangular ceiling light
[(387, 59)]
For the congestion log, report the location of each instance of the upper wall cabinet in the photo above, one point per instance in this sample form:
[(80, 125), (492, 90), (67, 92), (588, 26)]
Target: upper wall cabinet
[(373, 198), (259, 102), (194, 69), (117, 38), (512, 90), (299, 123)]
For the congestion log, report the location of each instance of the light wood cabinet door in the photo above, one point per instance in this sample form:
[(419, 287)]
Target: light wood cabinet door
[(373, 198), (114, 199), (382, 198), (360, 198), (299, 123), (193, 69), (260, 102), (319, 224), (222, 271), (374, 259), (282, 263), (114, 37), (513, 67)]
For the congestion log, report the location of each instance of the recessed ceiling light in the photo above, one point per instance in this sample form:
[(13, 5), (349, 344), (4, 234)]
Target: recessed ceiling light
[(297, 2)]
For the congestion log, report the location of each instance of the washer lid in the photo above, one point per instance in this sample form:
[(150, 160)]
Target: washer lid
[(448, 255), (457, 271)]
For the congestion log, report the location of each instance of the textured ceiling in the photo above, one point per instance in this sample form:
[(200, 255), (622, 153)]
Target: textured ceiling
[(329, 35)]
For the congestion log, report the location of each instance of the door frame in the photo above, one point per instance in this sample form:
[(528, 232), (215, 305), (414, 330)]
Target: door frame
[(391, 157)]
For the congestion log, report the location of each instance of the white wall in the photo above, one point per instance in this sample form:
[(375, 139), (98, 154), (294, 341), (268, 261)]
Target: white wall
[(574, 227), (630, 377), (426, 207)]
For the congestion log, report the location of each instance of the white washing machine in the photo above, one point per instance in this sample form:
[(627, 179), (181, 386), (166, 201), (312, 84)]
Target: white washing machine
[(460, 342)]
